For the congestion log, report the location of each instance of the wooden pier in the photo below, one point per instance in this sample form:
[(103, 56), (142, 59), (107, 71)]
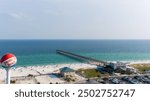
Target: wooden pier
[(82, 58)]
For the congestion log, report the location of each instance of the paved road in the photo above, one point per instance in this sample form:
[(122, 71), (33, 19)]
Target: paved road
[(130, 75)]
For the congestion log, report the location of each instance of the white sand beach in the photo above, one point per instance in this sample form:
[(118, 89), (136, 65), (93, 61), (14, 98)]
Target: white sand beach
[(40, 73), (46, 74)]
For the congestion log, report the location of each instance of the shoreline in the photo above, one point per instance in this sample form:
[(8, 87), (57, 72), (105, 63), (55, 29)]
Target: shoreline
[(127, 61), (42, 73)]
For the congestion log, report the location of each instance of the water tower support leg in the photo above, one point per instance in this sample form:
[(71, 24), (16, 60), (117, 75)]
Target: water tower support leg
[(8, 76)]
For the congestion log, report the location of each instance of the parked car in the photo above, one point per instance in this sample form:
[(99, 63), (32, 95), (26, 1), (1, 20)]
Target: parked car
[(134, 81), (115, 81), (148, 76), (124, 78)]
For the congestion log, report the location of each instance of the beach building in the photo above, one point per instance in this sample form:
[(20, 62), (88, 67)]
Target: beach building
[(67, 72), (106, 69), (118, 66), (111, 67), (130, 70), (121, 65)]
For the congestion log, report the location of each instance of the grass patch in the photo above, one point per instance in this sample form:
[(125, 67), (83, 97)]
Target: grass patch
[(141, 67), (89, 73)]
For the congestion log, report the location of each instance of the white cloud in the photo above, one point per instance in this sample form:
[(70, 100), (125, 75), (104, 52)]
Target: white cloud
[(65, 12), (20, 16)]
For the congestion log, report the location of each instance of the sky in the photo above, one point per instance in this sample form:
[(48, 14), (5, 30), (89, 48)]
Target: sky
[(74, 19)]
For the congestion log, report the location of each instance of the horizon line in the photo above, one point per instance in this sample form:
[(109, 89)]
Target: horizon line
[(74, 39)]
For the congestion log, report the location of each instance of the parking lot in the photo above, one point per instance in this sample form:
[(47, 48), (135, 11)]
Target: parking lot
[(126, 80)]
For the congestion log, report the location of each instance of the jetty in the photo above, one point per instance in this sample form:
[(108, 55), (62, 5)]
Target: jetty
[(82, 58)]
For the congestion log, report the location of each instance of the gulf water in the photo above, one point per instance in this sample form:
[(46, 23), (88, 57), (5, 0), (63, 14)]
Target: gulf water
[(43, 52)]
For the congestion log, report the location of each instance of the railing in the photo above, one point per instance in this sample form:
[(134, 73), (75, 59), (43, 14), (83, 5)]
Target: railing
[(83, 58)]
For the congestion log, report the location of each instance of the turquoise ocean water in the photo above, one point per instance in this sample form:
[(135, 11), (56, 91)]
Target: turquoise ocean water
[(43, 52)]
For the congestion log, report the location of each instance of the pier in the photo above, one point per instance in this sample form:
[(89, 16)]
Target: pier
[(82, 58)]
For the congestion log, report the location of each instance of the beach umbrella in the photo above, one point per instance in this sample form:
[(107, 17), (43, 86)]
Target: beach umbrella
[(8, 61)]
